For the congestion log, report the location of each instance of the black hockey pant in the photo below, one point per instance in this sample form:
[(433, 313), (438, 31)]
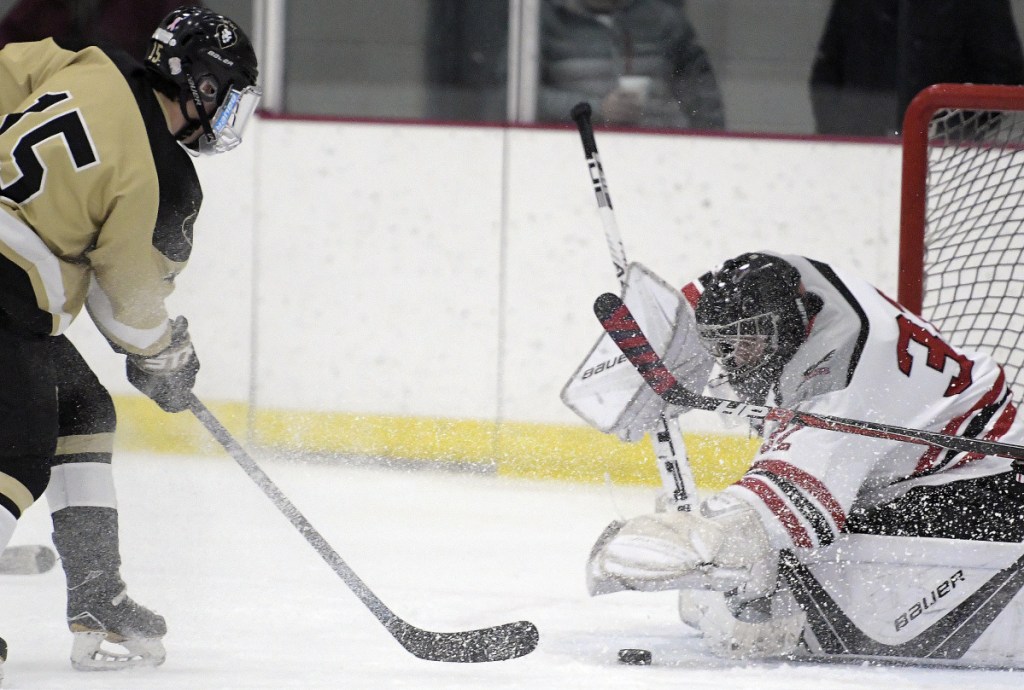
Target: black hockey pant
[(983, 509), (47, 390), (28, 418)]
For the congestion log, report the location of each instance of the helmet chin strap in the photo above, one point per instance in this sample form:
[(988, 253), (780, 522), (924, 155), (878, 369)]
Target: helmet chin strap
[(191, 95)]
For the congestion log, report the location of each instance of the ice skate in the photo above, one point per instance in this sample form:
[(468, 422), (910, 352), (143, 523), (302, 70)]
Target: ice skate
[(100, 611), (111, 631)]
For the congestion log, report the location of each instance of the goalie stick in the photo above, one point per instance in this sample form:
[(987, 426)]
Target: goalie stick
[(667, 440), (619, 323), (496, 643)]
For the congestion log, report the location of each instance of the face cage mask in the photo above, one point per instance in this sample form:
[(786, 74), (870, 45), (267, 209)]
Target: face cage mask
[(228, 123), (752, 340)]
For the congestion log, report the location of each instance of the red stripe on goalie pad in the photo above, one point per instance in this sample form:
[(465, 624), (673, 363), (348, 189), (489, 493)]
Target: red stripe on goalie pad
[(692, 293)]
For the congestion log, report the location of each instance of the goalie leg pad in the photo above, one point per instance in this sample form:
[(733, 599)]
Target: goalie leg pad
[(922, 600), (761, 628), (693, 606)]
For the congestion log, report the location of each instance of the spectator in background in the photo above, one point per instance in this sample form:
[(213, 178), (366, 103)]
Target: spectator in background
[(853, 78), (75, 24), (638, 62), (876, 55), (467, 60)]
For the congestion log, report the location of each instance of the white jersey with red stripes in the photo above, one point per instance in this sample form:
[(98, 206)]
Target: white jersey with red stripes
[(866, 357)]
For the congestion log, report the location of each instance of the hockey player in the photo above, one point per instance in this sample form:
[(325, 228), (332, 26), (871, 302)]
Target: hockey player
[(98, 196), (792, 332)]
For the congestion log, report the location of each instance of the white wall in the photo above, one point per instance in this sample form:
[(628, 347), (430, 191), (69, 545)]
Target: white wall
[(449, 272)]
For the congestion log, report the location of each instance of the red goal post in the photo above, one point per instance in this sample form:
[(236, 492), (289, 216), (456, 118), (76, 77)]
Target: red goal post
[(961, 261)]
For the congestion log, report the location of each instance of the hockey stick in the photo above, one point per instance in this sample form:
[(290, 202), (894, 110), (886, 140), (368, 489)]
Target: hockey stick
[(667, 441), (619, 323), (581, 113), (497, 643)]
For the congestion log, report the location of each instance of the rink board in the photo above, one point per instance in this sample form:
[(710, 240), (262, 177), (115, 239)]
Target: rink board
[(514, 449)]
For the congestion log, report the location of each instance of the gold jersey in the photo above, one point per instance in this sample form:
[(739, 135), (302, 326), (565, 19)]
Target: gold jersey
[(98, 199)]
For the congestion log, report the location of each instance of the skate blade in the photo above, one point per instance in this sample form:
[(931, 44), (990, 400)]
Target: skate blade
[(89, 654)]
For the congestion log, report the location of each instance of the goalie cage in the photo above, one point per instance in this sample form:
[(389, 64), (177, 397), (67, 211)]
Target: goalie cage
[(961, 266)]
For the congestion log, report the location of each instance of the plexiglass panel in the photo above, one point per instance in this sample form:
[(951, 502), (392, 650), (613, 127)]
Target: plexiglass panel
[(836, 67)]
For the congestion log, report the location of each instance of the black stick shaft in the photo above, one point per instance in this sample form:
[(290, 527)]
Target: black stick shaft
[(488, 644), (581, 114), (288, 509)]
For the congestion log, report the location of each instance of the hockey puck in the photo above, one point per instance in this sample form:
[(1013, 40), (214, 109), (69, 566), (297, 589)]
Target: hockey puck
[(635, 657)]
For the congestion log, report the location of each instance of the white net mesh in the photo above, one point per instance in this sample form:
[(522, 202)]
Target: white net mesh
[(974, 240)]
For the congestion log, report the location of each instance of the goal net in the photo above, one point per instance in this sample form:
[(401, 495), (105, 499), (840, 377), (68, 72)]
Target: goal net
[(962, 218)]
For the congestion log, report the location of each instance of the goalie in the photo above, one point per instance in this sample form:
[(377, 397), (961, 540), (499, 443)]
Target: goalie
[(831, 544)]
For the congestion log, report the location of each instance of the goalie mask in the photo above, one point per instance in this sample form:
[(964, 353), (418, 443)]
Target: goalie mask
[(202, 58), (753, 315)]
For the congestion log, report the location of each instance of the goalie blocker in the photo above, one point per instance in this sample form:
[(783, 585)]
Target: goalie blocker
[(938, 577)]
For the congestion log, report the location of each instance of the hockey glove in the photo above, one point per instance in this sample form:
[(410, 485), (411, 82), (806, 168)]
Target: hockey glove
[(167, 377), (726, 550)]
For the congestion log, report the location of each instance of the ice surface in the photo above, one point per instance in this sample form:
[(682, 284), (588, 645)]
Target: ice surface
[(250, 604)]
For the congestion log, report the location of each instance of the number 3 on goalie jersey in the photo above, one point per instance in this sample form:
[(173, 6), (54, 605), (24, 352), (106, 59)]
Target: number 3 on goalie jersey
[(68, 126), (938, 352)]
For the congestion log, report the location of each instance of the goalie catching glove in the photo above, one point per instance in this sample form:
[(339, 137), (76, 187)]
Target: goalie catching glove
[(724, 549), (723, 565), (167, 377)]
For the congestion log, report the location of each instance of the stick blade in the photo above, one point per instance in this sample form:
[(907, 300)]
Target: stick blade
[(499, 643)]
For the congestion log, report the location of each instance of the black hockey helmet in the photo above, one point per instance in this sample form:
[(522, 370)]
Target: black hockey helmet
[(198, 56), (753, 313)]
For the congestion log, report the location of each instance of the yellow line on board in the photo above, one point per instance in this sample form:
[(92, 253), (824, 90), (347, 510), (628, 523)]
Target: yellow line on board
[(514, 449)]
